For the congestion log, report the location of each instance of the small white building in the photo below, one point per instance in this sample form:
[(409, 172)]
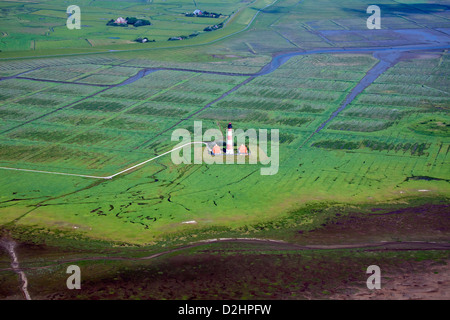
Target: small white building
[(197, 12), (120, 20)]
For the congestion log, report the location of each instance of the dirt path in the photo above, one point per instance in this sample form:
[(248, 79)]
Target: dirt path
[(10, 246), (280, 245)]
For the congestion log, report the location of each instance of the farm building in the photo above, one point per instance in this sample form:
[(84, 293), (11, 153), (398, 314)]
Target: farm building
[(216, 150), (243, 150), (197, 12)]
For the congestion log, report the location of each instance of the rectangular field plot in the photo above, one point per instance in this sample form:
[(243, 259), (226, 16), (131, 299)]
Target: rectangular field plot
[(88, 67), (421, 83), (324, 25), (112, 139), (375, 112), (360, 170), (10, 93), (46, 100), (300, 36), (161, 80), (279, 83), (77, 64), (429, 70), (129, 92), (228, 63), (431, 21), (103, 105), (11, 72), (303, 101), (72, 90), (332, 67), (183, 98), (403, 101), (20, 84), (406, 89), (236, 101), (258, 117), (76, 117), (53, 74), (161, 109), (118, 71), (47, 143), (402, 76), (148, 124), (320, 78), (252, 91), (301, 94), (398, 151), (225, 114), (68, 159), (100, 78), (184, 90), (16, 151), (7, 124), (210, 83), (391, 147), (209, 87), (40, 133), (79, 127), (18, 113), (360, 125)]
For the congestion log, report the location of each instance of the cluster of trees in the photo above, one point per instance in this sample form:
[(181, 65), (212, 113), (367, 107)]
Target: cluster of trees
[(129, 21), (183, 37), (209, 28), (144, 40), (203, 14), (214, 27)]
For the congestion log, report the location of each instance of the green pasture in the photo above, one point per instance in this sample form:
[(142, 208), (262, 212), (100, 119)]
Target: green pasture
[(390, 144), (353, 160), (41, 27), (38, 28)]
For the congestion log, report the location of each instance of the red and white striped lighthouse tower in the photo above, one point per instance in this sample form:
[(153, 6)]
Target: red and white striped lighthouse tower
[(230, 140)]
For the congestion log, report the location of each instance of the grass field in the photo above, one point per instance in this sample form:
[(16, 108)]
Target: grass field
[(117, 128), (364, 141), (41, 26), (76, 114)]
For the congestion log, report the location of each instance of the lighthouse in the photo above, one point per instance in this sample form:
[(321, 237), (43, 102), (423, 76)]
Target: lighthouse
[(230, 146)]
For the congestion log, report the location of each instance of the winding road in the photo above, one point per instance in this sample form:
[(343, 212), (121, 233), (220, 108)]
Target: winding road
[(278, 244)]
